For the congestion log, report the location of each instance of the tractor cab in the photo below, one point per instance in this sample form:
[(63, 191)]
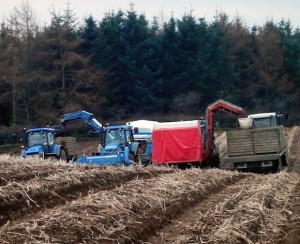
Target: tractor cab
[(38, 141), (116, 138), (263, 120)]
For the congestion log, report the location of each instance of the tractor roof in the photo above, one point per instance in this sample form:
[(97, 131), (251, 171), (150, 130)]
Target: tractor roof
[(262, 115), (45, 129), (120, 127)]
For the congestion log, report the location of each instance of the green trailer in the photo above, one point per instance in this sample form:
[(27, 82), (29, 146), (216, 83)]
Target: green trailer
[(257, 147)]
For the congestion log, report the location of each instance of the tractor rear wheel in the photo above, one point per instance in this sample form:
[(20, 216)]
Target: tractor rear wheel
[(138, 157)]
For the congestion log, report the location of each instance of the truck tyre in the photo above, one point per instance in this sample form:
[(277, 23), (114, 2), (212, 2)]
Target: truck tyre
[(284, 160), (277, 166), (62, 155), (280, 167)]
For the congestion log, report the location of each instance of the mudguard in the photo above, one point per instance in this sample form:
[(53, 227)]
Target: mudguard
[(55, 149), (133, 147)]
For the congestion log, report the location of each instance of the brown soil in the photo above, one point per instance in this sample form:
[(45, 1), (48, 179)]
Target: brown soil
[(43, 201)]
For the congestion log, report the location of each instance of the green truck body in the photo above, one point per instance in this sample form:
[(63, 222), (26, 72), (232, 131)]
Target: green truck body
[(261, 148)]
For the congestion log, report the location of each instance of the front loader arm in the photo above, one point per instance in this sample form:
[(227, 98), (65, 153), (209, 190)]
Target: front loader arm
[(85, 117)]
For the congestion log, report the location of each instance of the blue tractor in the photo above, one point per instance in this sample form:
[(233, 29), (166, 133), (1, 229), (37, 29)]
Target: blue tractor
[(40, 142), (117, 145)]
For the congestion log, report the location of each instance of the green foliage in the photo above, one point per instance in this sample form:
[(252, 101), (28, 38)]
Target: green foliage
[(122, 66)]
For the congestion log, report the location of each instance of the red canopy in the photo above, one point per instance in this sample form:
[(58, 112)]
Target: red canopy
[(177, 142)]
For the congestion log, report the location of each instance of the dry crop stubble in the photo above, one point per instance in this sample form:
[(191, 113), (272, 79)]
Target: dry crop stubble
[(129, 204), (251, 213), (281, 224), (18, 198), (127, 213)]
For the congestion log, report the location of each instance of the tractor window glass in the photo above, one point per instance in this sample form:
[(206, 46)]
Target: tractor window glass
[(264, 122), (37, 138), (128, 136), (114, 137), (51, 139)]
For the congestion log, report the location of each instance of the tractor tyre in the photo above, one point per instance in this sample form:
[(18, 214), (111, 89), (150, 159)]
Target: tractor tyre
[(138, 157)]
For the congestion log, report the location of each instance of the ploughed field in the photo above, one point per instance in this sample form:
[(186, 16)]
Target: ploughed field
[(55, 202)]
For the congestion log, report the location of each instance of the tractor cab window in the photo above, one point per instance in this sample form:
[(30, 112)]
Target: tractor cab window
[(265, 122), (51, 139), (114, 137), (129, 137), (37, 138)]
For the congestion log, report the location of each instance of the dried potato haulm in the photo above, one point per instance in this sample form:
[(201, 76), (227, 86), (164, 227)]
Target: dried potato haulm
[(124, 214), (125, 205), (249, 215), (21, 169), (28, 194)]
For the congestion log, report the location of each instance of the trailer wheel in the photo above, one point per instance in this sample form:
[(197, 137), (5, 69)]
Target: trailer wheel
[(62, 155)]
